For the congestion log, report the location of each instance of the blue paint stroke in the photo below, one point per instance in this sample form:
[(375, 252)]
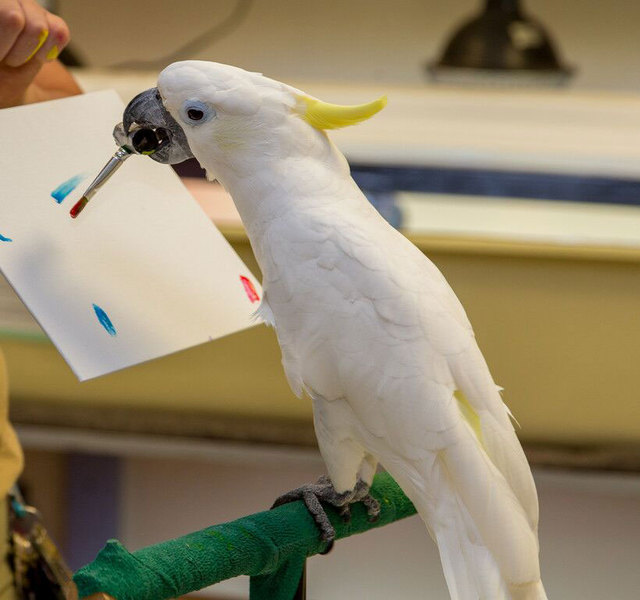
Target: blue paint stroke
[(105, 321), (66, 187), (5, 239)]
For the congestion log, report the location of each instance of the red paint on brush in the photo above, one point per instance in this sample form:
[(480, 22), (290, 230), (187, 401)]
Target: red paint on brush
[(78, 206), (249, 289)]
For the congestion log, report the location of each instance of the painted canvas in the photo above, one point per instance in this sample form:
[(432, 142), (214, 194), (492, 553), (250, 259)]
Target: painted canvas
[(141, 273)]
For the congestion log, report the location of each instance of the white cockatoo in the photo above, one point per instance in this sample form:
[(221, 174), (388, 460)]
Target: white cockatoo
[(367, 325)]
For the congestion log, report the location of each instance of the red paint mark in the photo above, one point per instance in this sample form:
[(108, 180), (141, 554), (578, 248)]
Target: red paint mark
[(77, 207), (249, 289)]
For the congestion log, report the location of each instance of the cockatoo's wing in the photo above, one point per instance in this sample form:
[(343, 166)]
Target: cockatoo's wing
[(404, 346), (425, 303)]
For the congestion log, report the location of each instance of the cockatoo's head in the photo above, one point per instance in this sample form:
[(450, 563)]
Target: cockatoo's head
[(219, 113)]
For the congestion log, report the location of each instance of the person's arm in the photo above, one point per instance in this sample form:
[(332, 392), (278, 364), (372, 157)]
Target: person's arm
[(30, 40)]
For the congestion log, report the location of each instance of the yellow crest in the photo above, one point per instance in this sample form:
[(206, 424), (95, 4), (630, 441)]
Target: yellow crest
[(323, 115)]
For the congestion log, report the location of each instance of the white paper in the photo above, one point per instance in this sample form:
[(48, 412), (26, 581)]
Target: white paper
[(142, 250)]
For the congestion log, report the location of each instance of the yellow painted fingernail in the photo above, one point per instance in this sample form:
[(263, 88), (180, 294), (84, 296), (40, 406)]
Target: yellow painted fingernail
[(42, 38), (53, 53)]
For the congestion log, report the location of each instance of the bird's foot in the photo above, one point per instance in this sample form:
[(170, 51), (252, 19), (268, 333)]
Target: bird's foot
[(313, 493)]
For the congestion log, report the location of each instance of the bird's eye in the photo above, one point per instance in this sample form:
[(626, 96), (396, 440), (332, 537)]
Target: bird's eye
[(195, 112)]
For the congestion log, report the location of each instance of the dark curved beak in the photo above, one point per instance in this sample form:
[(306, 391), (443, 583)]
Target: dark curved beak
[(148, 128)]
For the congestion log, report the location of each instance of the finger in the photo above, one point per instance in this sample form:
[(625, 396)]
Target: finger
[(12, 22), (56, 41), (14, 82), (32, 37)]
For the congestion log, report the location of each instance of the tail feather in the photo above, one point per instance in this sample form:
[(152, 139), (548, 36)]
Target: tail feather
[(469, 569), (505, 451), (488, 549), (497, 434)]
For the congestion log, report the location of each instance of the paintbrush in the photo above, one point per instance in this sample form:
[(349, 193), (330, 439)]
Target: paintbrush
[(107, 171), (140, 141)]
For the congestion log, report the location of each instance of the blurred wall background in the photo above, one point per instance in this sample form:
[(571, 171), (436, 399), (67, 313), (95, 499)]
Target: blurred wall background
[(355, 40)]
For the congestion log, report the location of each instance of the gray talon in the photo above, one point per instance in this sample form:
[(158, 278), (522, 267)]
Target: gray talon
[(329, 547), (345, 513), (373, 508)]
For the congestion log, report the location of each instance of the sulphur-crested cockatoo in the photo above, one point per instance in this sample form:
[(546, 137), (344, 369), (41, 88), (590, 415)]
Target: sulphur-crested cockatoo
[(367, 325)]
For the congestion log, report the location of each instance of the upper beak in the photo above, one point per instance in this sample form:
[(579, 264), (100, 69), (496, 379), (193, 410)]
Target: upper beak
[(145, 118)]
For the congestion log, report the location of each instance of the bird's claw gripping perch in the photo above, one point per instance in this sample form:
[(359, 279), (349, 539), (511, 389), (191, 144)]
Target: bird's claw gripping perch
[(312, 494), (361, 494), (372, 505)]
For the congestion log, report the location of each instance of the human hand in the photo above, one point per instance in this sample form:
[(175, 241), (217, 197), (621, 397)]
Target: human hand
[(30, 37)]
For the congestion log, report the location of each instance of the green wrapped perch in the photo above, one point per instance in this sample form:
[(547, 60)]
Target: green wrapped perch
[(270, 546)]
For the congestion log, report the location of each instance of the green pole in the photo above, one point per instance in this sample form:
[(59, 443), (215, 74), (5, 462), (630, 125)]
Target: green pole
[(269, 546)]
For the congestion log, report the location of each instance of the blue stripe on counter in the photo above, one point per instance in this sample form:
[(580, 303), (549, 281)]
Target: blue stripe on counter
[(482, 182)]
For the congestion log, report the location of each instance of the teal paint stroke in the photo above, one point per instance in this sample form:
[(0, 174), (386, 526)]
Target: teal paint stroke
[(105, 321), (5, 239), (66, 187)]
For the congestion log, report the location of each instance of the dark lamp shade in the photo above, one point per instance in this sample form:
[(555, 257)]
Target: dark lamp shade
[(501, 41)]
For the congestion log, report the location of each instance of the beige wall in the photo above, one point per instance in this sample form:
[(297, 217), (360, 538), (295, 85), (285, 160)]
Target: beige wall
[(349, 40)]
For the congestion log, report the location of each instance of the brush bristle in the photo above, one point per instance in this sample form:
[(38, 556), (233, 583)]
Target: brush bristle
[(78, 207)]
